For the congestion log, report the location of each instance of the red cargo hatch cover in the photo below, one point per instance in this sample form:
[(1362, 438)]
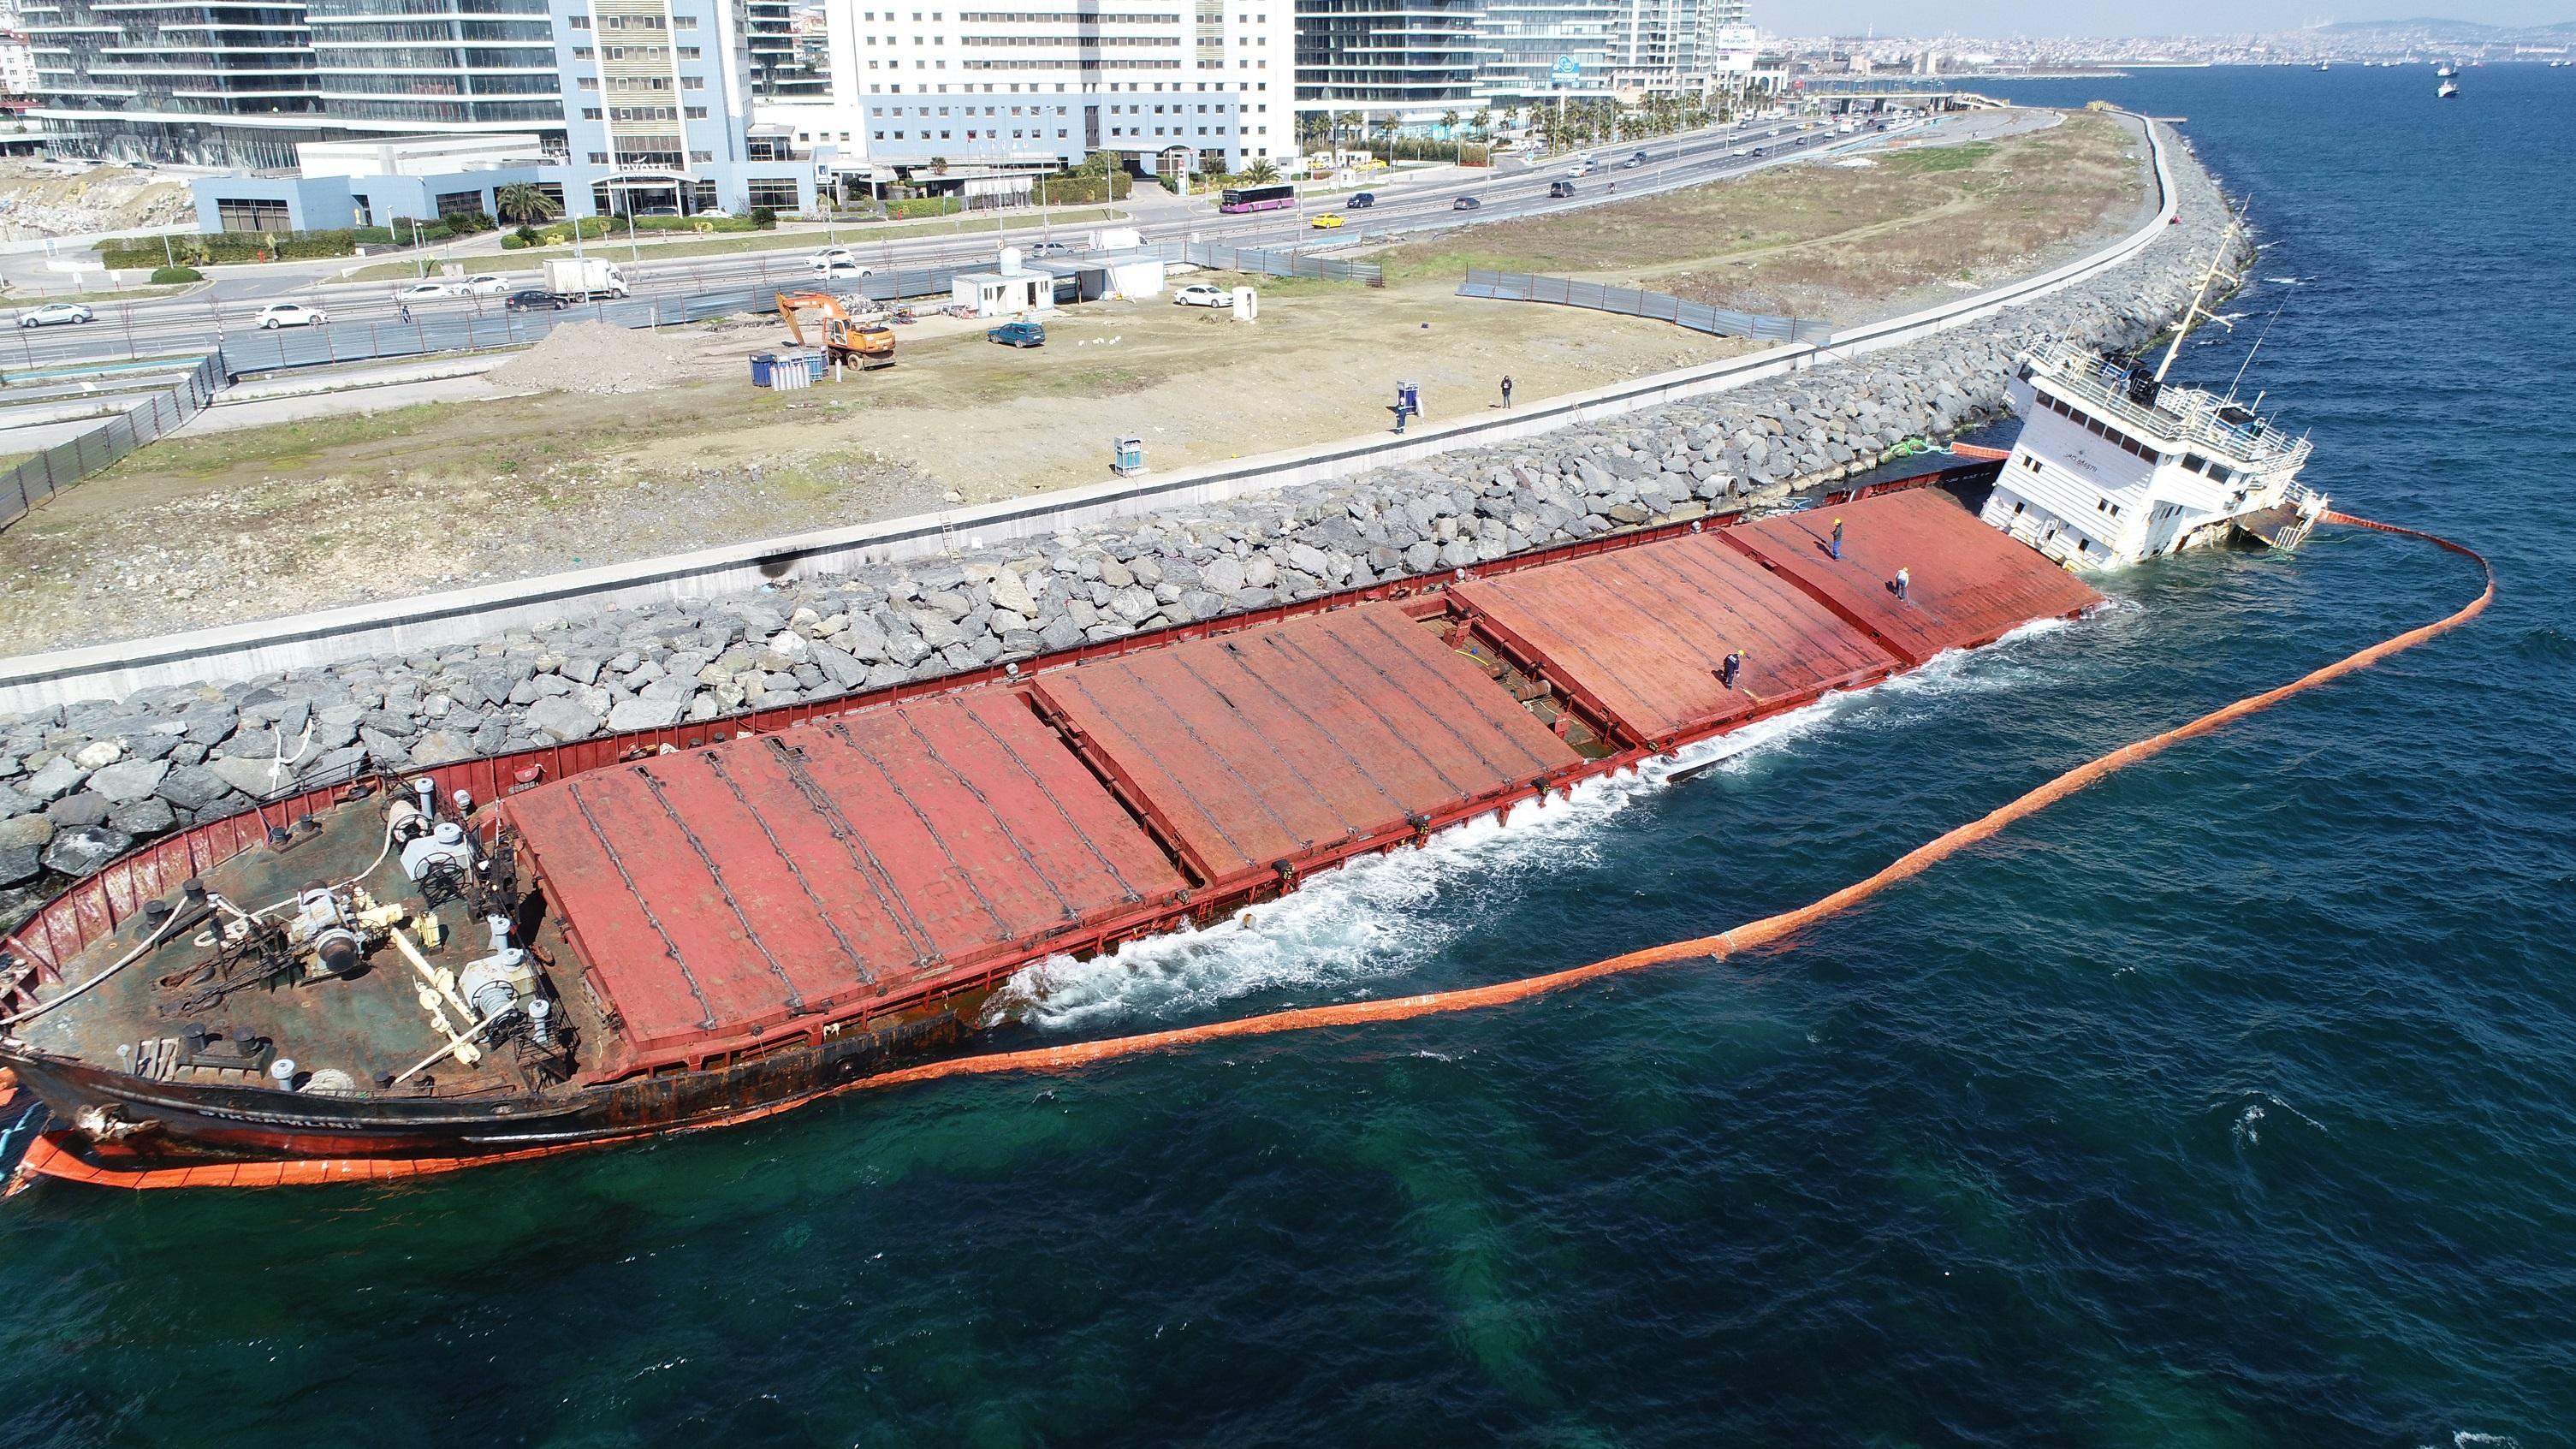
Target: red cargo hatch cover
[(1269, 743), (745, 883), (1969, 583), (1642, 632)]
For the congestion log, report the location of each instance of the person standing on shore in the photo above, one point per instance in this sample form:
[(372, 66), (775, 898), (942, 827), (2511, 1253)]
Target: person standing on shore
[(1507, 391)]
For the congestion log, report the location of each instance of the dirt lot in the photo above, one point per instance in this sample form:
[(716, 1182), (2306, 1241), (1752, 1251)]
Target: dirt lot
[(1840, 241), (222, 526), (208, 529)]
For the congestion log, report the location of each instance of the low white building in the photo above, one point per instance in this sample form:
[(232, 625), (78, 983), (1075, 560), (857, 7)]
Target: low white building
[(1005, 293)]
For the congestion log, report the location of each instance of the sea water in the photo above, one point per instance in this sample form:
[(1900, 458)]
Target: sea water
[(2232, 1102)]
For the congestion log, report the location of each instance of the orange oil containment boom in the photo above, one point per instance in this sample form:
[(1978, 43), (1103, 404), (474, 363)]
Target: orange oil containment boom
[(44, 1159)]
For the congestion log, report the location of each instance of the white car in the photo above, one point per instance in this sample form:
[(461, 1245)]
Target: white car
[(715, 213), (289, 314), (836, 262), (1200, 294), (55, 313), (482, 284), (426, 291)]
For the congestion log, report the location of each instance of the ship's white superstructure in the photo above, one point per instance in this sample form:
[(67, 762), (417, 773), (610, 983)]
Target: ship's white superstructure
[(2115, 465)]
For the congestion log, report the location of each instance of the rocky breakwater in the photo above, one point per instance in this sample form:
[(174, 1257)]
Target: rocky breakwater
[(80, 784)]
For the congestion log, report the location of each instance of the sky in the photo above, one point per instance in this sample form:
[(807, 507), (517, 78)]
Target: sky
[(2108, 17)]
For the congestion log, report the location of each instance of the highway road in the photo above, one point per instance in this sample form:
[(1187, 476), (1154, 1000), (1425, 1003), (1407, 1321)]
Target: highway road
[(366, 321)]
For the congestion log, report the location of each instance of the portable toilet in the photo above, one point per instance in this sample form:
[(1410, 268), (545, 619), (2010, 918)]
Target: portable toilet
[(1127, 456)]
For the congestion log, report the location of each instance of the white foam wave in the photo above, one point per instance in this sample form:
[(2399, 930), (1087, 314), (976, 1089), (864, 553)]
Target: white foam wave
[(1375, 917), (2287, 281)]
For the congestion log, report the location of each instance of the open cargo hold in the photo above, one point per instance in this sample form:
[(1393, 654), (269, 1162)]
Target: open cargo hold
[(726, 926)]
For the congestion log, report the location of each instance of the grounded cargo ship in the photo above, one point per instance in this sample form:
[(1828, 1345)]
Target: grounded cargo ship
[(698, 925)]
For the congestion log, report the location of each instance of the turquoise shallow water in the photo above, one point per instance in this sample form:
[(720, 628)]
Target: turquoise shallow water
[(2231, 1103)]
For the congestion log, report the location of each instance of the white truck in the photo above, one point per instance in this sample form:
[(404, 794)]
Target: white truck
[(579, 279)]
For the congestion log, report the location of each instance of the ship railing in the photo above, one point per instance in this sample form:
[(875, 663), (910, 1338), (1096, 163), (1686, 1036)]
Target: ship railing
[(2185, 415)]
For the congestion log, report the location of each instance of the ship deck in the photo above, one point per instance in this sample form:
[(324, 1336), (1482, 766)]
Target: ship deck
[(705, 896)]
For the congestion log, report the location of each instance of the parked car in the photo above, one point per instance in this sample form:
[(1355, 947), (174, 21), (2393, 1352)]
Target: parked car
[(657, 211), (425, 292), (534, 299), (1018, 334), (1560, 188), (289, 314), (1200, 294), (1328, 221), (1465, 203), (715, 213), (1362, 201), (54, 314)]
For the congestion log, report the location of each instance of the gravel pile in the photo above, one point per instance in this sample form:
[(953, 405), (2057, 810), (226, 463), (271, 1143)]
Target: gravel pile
[(594, 357), (81, 783)]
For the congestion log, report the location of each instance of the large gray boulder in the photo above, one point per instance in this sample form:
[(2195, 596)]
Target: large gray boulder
[(59, 777), (646, 714), (83, 851), (130, 780), (561, 718)]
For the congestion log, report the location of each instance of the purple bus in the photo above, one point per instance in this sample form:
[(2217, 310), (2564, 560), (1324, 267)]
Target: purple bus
[(1257, 198)]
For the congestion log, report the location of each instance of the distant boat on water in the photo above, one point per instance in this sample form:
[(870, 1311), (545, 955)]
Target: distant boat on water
[(2450, 91)]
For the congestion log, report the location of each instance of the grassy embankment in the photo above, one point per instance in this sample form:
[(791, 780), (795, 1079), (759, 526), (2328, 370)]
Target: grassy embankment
[(1824, 240)]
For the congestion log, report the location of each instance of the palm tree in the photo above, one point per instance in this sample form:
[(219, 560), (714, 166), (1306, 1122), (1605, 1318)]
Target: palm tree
[(1484, 122), (1448, 123), (1352, 119), (1259, 173), (522, 202), (1386, 128)]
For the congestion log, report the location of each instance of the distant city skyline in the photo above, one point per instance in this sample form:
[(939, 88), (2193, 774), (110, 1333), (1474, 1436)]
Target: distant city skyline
[(2004, 18)]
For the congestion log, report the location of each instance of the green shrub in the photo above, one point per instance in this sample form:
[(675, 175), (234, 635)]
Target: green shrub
[(920, 206), (467, 223), (258, 246), (172, 276), (1089, 186), (764, 218)]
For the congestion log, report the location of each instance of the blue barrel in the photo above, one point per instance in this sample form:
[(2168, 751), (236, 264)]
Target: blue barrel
[(761, 363)]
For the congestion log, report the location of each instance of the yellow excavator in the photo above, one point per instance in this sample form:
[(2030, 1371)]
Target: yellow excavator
[(864, 345)]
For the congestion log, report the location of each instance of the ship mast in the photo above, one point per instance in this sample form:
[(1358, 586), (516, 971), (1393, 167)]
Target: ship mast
[(2195, 312)]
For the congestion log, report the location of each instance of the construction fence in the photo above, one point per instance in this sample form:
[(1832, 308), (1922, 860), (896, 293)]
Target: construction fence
[(1656, 306), (1271, 263), (153, 415)]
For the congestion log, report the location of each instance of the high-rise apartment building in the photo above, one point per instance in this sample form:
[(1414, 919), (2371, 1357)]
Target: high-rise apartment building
[(436, 65), (1411, 58), (614, 105), (1420, 59), (1169, 85), (787, 61), (658, 107), (216, 82)]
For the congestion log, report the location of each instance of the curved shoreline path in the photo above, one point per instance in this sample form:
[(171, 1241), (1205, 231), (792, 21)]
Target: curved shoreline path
[(45, 1159)]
